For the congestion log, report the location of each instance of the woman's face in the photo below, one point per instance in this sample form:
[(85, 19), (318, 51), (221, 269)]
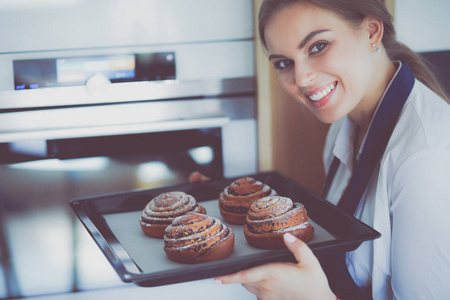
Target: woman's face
[(321, 61)]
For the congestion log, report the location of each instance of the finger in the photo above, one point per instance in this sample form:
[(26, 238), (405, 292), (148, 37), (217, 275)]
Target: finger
[(249, 276), (300, 249)]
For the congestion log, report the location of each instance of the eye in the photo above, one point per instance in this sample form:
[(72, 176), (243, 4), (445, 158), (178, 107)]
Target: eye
[(318, 47), (283, 64)]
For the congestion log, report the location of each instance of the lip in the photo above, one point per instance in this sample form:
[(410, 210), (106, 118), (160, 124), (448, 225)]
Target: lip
[(324, 101)]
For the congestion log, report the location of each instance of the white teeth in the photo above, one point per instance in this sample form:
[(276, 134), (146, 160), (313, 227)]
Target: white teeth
[(318, 96)]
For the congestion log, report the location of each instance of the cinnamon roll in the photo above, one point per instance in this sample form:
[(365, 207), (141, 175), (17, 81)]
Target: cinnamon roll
[(196, 238), (235, 200), (270, 217), (164, 208)]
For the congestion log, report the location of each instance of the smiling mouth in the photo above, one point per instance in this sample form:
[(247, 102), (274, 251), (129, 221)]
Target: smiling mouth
[(324, 92)]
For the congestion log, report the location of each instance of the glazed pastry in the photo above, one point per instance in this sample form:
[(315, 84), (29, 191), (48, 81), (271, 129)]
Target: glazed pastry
[(235, 200), (270, 217), (196, 238), (163, 209)]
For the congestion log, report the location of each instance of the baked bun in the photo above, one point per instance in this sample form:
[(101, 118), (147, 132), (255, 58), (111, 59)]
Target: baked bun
[(235, 200), (271, 217), (196, 238), (163, 209)]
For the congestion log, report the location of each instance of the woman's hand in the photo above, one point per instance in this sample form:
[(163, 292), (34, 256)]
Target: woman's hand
[(302, 280)]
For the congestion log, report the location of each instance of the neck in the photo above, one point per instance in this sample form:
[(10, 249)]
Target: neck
[(383, 72)]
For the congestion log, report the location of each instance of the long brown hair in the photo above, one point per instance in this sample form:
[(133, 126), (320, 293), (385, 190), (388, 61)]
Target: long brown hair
[(354, 11)]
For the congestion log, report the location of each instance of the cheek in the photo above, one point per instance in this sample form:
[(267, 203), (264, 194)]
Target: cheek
[(349, 65), (287, 82), (288, 85), (357, 80)]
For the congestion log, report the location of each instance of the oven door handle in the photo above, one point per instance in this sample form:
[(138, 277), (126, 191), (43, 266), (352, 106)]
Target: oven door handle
[(108, 130)]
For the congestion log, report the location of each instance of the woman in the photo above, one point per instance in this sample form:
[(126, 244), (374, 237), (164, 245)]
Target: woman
[(341, 60)]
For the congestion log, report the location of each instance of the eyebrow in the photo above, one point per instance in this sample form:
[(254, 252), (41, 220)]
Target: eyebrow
[(302, 44), (310, 36)]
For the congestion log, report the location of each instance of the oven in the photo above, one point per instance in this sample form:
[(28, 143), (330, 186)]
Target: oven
[(86, 116)]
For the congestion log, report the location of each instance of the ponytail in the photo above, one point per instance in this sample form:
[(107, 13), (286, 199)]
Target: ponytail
[(401, 52)]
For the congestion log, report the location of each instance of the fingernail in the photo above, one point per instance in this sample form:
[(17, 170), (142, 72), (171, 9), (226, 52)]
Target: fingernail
[(217, 281), (289, 238)]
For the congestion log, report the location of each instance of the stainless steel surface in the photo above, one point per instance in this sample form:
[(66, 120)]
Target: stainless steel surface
[(124, 92), (213, 61), (202, 289), (114, 129), (124, 118), (74, 24)]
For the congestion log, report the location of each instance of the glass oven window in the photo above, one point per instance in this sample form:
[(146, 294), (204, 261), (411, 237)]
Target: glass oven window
[(45, 249)]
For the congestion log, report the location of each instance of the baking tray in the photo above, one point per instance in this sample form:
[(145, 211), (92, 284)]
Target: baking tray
[(113, 222)]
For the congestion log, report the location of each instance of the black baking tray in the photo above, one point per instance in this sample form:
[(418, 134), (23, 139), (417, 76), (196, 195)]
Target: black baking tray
[(106, 217)]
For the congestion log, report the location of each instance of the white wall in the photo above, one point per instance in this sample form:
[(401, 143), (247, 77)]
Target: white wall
[(423, 25)]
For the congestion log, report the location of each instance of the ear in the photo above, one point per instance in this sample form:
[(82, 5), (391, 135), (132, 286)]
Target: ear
[(374, 29)]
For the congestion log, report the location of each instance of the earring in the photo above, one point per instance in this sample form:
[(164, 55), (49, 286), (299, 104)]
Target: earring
[(377, 49)]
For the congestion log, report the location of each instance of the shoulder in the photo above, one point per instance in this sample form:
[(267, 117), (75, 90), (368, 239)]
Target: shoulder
[(420, 142), (430, 112), (429, 167), (423, 123)]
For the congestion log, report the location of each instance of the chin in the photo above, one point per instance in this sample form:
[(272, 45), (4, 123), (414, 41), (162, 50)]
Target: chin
[(328, 118)]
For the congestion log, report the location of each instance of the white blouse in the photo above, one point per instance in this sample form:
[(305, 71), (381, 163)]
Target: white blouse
[(407, 200)]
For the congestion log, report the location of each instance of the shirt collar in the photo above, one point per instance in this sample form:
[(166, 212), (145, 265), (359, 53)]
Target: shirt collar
[(344, 145)]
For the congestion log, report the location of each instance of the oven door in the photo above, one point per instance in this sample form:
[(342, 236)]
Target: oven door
[(45, 249), (63, 156)]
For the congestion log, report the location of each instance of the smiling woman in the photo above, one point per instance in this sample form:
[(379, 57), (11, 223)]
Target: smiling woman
[(354, 11), (341, 61)]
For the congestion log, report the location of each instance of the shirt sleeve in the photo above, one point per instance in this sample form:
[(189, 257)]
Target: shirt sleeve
[(421, 226)]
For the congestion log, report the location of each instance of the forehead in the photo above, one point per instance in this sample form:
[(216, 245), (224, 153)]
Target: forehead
[(292, 24)]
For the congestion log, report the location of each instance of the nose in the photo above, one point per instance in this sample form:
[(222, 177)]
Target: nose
[(303, 75)]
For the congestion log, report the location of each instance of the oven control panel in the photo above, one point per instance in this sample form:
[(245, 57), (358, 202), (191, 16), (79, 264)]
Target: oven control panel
[(70, 71)]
